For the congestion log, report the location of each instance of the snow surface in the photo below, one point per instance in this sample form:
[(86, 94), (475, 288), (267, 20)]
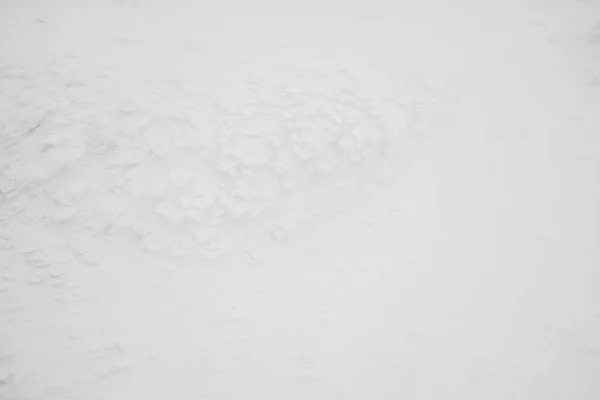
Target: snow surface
[(299, 200)]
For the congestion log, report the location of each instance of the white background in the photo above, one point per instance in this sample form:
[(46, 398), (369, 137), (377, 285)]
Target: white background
[(308, 200)]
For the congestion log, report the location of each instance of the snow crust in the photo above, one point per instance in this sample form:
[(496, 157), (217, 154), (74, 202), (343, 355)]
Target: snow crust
[(239, 200)]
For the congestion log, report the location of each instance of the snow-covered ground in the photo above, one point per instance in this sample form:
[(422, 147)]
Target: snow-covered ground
[(299, 200)]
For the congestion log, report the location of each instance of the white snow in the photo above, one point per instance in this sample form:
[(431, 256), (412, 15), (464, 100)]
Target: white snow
[(299, 200)]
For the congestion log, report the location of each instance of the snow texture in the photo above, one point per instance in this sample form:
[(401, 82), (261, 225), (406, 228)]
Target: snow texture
[(213, 200)]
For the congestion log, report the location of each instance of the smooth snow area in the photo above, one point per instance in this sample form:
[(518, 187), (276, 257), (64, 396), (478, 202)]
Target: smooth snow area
[(299, 200)]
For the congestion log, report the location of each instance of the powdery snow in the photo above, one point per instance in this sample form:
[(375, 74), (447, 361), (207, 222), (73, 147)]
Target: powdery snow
[(289, 201)]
